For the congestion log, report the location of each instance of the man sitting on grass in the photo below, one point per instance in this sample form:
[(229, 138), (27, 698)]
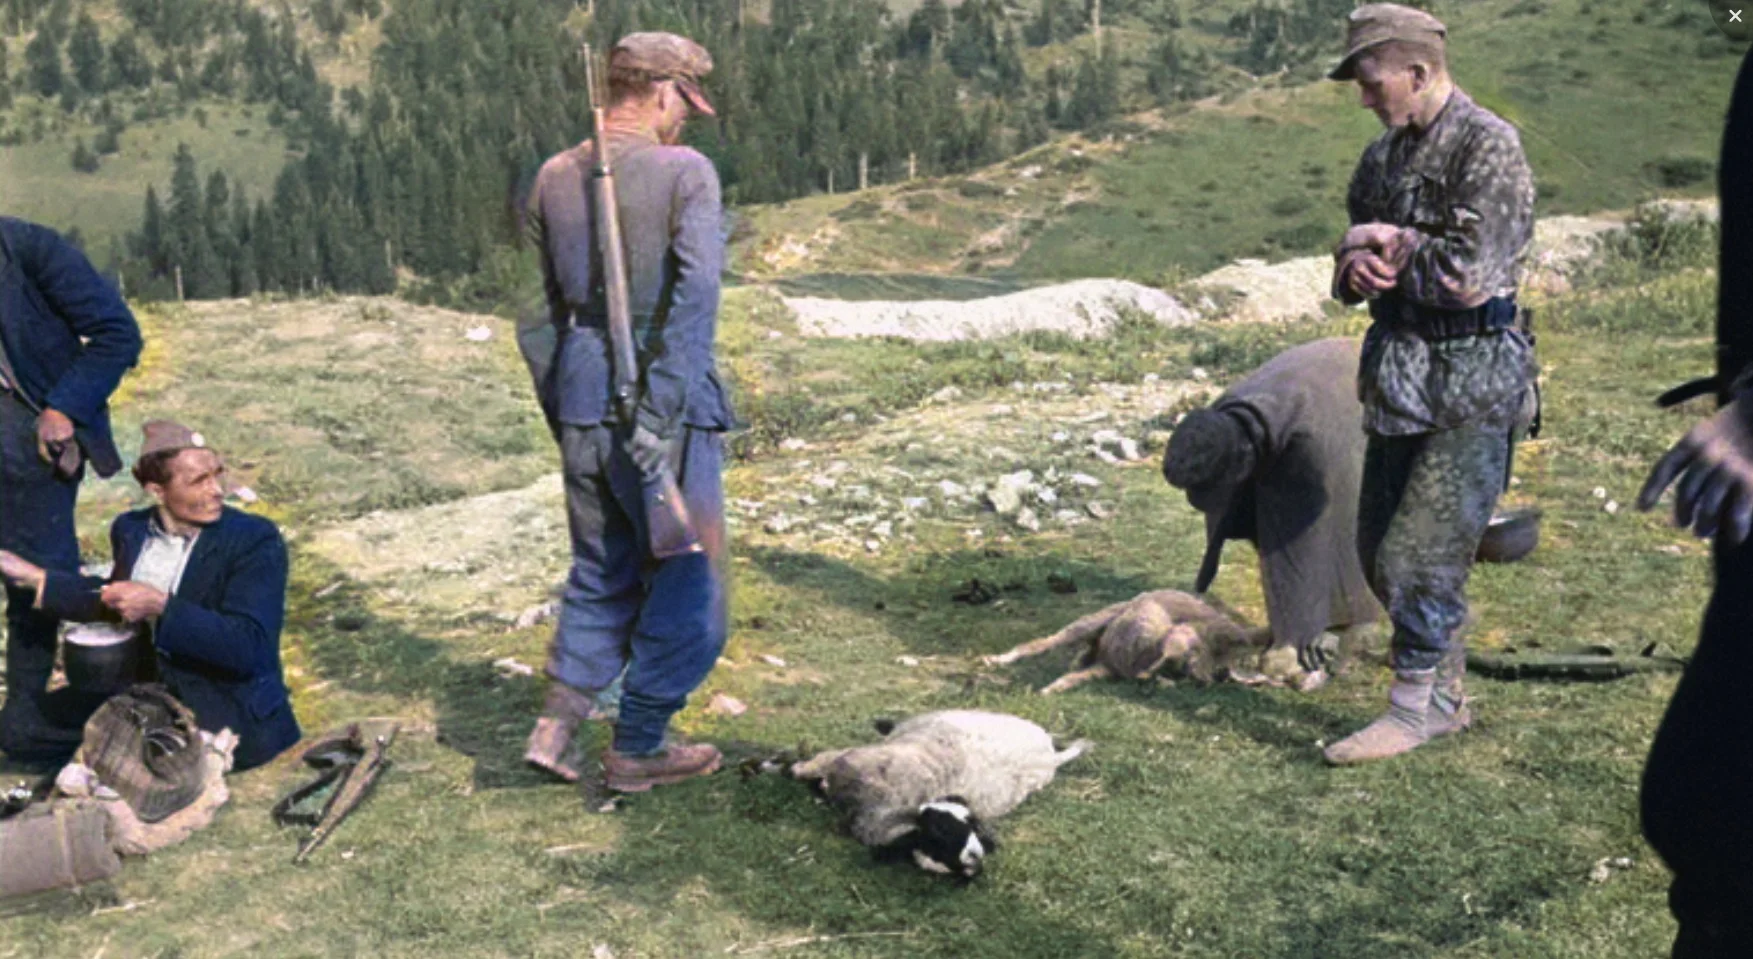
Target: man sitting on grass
[(206, 581)]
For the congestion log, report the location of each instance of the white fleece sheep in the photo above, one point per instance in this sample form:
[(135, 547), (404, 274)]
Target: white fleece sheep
[(991, 761)]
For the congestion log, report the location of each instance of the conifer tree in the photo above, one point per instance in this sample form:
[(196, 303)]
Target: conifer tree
[(85, 51), (42, 60)]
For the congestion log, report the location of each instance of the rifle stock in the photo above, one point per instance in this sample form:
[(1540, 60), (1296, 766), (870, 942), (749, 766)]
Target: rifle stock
[(669, 529)]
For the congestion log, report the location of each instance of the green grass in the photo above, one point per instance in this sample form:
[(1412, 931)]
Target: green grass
[(37, 181), (1608, 117), (1203, 824)]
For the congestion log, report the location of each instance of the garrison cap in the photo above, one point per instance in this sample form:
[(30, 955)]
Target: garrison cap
[(1374, 24), (164, 435), (666, 56), (1207, 447)]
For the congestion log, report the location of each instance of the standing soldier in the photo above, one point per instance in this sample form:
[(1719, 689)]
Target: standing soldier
[(66, 338), (662, 620), (1698, 784), (1442, 209)]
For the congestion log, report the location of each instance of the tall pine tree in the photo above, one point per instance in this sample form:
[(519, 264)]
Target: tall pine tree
[(85, 51)]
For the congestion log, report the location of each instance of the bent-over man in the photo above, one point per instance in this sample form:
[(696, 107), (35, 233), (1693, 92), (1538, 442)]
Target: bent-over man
[(1442, 210), (207, 583), (662, 621)]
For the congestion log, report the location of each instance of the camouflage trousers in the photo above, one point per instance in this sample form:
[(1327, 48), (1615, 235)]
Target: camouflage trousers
[(1423, 508)]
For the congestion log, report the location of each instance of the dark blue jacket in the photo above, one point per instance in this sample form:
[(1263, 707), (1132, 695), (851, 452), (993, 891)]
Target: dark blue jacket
[(219, 638), (50, 299)]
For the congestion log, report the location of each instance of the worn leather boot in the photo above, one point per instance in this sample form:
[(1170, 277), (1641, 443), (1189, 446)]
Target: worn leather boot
[(678, 761), (1448, 701), (550, 744), (1401, 728)]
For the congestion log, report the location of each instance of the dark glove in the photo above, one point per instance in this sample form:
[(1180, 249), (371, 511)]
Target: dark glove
[(1714, 465), (650, 452)]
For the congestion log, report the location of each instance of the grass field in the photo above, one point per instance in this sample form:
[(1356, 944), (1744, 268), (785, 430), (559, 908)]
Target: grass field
[(1202, 825)]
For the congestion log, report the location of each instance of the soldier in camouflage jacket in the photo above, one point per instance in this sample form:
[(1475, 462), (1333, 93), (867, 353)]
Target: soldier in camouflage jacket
[(1442, 210)]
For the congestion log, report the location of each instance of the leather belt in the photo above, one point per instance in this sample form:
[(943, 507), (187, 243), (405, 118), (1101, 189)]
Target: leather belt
[(1433, 325)]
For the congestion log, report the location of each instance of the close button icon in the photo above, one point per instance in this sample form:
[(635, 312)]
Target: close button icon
[(1732, 18)]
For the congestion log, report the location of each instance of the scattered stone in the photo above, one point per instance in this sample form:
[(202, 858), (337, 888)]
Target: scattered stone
[(1068, 517), (780, 524), (793, 444), (1611, 507), (1099, 510), (907, 660), (951, 488), (1001, 409), (824, 482), (245, 494), (509, 667), (1604, 868), (915, 504), (1045, 495), (883, 530), (1151, 378), (948, 394), (540, 613), (1105, 456), (722, 705), (479, 334), (1599, 492), (849, 418), (1061, 437), (775, 335), (1200, 374), (1129, 450), (773, 661), (1006, 495), (1085, 480), (1027, 519)]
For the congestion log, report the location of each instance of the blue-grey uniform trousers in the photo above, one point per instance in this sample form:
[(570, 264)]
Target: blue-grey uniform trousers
[(36, 522), (663, 622), (1425, 503)]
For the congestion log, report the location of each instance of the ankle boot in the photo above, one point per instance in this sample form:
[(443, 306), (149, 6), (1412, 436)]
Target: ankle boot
[(1398, 730), (550, 743), (1448, 700)]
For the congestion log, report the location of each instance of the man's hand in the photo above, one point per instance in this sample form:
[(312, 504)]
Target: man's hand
[(54, 431), (1366, 274), (134, 602), (1316, 653), (650, 452), (20, 572), (1370, 236), (1714, 464)]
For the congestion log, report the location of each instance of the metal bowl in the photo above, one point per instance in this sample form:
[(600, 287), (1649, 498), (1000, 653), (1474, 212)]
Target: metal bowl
[(1510, 536)]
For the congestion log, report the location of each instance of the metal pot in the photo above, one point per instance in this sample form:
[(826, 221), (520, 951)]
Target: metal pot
[(102, 659), (1510, 536)]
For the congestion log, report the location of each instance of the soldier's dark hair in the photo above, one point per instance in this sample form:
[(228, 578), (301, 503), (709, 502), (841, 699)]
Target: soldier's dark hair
[(628, 85), (155, 467), (1400, 54)]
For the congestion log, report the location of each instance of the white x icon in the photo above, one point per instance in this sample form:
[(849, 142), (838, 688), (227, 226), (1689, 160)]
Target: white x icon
[(1734, 16)]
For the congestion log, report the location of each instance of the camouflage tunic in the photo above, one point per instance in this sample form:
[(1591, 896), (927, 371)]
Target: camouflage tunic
[(1463, 195)]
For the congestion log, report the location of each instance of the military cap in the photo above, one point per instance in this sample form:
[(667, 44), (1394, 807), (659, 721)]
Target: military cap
[(666, 56), (145, 745), (164, 435), (1374, 24)]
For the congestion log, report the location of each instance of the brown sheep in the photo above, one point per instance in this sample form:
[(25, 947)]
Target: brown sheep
[(1192, 637)]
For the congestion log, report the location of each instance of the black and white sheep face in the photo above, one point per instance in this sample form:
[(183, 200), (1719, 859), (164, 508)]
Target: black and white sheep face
[(950, 840)]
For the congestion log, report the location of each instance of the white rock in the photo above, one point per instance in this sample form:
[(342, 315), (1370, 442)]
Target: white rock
[(780, 524), (773, 660), (722, 705), (1599, 492), (1151, 378), (1061, 437), (1045, 495), (1106, 456), (1027, 519), (824, 482), (849, 418), (915, 504), (1068, 517), (872, 546), (951, 488), (907, 660), (1611, 507), (1099, 510), (1200, 374), (536, 614), (948, 394), (245, 494), (1085, 480), (1129, 449), (479, 334), (511, 667), (1001, 409), (883, 530), (793, 444), (775, 335)]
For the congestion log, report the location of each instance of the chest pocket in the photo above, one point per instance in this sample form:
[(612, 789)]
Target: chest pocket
[(1421, 201)]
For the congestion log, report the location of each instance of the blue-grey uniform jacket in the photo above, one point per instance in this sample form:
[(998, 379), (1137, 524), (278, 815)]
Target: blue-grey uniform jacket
[(669, 207)]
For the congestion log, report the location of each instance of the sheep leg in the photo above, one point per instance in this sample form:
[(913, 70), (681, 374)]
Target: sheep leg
[(1084, 629), (1075, 679)]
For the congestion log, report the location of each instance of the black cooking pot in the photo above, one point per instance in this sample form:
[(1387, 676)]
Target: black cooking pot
[(1510, 536), (102, 659)]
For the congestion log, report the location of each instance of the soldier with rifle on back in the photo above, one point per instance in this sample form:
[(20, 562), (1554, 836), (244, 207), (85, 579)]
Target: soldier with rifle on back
[(631, 252)]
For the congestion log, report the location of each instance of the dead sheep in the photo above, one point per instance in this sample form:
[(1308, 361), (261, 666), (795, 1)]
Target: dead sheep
[(1166, 631), (926, 791)]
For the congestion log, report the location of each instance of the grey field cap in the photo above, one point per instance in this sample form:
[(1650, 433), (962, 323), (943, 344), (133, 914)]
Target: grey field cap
[(1374, 24), (667, 56)]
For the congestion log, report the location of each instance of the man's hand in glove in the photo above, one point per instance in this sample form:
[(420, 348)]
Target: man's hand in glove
[(650, 452), (1714, 464)]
